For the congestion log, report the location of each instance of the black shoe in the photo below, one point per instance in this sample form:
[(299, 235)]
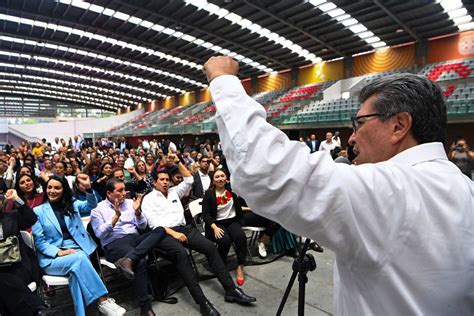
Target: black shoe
[(126, 266), (237, 295), (207, 309), (315, 247)]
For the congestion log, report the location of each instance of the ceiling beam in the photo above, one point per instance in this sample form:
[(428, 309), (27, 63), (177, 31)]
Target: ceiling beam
[(227, 40), (327, 45), (155, 46), (396, 19)]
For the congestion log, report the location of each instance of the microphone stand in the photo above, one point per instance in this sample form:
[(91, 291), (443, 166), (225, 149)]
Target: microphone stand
[(301, 266)]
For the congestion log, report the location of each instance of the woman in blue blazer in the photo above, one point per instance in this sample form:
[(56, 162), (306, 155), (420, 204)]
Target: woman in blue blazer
[(64, 246)]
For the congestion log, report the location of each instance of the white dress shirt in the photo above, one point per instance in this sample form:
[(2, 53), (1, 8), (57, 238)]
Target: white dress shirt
[(205, 180), (402, 230), (166, 211), (325, 146)]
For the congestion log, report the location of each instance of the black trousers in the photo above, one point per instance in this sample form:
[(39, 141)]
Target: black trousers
[(232, 233), (176, 252), (252, 219), (136, 247), (15, 296)]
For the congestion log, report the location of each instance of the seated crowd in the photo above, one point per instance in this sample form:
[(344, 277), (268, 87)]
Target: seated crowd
[(137, 200)]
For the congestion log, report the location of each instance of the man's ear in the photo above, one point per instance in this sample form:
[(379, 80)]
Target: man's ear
[(402, 124)]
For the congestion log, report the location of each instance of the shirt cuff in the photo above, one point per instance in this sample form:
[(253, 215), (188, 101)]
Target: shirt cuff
[(228, 82), (188, 180)]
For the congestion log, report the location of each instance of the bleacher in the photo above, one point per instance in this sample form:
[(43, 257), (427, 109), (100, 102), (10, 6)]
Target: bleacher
[(304, 104), (449, 70)]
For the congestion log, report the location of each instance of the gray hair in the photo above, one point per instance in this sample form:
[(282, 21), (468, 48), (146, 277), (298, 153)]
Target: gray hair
[(414, 94)]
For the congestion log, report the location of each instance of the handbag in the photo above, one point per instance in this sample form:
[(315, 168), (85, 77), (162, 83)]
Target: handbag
[(9, 251)]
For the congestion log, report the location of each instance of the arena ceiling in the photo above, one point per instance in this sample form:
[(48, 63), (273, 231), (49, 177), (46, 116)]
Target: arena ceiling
[(115, 53)]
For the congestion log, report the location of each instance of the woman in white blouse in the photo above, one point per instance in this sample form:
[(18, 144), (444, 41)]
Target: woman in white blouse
[(222, 212)]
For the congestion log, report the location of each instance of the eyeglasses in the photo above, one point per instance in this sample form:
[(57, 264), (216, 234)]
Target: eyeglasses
[(358, 121)]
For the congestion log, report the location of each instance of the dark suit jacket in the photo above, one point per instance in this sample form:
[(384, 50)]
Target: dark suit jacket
[(197, 189), (127, 145), (310, 145), (209, 207)]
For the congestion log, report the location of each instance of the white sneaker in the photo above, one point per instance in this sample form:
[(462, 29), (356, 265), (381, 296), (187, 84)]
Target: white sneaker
[(110, 308), (262, 252)]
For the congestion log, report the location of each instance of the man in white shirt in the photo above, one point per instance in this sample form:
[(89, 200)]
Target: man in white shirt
[(56, 145), (328, 145), (172, 147), (130, 161), (162, 207), (400, 222), (146, 145), (337, 139)]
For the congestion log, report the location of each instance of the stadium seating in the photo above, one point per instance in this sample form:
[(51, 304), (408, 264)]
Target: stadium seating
[(304, 105), (449, 70)]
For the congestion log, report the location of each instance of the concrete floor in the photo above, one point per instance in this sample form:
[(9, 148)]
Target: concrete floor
[(266, 282)]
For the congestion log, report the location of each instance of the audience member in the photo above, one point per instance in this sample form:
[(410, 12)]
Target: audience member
[(328, 145), (462, 156), (139, 173), (162, 208), (116, 222), (201, 178), (104, 175), (313, 143), (16, 298), (63, 245), (222, 213)]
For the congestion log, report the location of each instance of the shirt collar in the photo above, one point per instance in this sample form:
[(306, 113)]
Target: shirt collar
[(159, 194), (420, 153)]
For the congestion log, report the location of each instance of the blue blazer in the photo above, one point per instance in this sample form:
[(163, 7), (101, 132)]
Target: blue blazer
[(47, 232)]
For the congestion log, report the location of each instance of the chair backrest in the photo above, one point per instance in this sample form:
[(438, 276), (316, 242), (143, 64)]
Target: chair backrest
[(85, 221), (27, 238), (195, 207)]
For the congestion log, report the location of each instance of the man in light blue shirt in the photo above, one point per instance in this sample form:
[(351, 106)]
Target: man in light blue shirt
[(116, 222)]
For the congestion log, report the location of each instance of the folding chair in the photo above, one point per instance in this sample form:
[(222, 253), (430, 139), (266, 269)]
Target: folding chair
[(50, 280), (255, 230), (28, 239), (195, 207)]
